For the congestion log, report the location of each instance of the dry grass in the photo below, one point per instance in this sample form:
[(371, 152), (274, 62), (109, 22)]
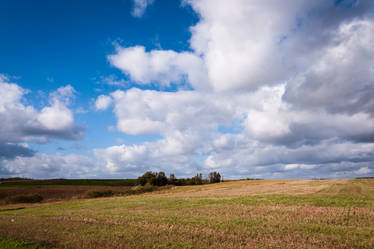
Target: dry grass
[(238, 214)]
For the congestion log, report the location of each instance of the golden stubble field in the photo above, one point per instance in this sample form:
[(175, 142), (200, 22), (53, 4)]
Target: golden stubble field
[(234, 214)]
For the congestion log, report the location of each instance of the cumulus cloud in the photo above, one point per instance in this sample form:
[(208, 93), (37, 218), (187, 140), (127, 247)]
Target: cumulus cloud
[(268, 89), (244, 45), (189, 123), (140, 6), (290, 82), (162, 66), (20, 123), (103, 102), (43, 166), (363, 171), (341, 81), (146, 111), (57, 117)]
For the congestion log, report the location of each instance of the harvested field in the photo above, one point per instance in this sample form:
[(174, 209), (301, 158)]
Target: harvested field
[(236, 214)]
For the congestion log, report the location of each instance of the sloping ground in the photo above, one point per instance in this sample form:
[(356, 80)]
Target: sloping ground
[(265, 187), (237, 214)]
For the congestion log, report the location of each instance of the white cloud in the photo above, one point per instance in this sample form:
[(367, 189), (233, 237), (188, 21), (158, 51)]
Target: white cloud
[(103, 102), (299, 166), (112, 80), (10, 94), (162, 66), (239, 40), (43, 166), (21, 123), (63, 95), (189, 122), (363, 171), (133, 160), (291, 83), (140, 112), (244, 44), (56, 117), (341, 80), (140, 6)]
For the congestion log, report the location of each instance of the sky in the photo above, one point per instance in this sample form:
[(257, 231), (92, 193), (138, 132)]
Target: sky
[(252, 89)]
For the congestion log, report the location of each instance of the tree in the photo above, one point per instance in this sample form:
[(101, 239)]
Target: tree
[(161, 179), (147, 177), (214, 177), (172, 179), (197, 180), (153, 178)]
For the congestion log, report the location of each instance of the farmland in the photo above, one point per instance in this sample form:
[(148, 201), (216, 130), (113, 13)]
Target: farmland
[(233, 214), (59, 189)]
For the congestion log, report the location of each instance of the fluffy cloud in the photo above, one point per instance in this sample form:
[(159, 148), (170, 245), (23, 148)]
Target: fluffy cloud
[(363, 171), (278, 89), (162, 66), (244, 45), (42, 166), (290, 83), (140, 6), (148, 111), (20, 123), (57, 117), (103, 102), (271, 135), (134, 160), (341, 81)]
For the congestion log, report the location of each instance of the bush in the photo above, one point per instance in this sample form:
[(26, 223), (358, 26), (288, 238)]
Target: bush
[(30, 198), (140, 189), (96, 194), (148, 188)]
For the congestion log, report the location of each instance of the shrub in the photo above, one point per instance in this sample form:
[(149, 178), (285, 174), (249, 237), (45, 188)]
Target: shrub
[(148, 188), (135, 190), (96, 194), (30, 198), (140, 189)]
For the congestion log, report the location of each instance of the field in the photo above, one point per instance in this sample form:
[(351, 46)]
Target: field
[(58, 189), (234, 214)]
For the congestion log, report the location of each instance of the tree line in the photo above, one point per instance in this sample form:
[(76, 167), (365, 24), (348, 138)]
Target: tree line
[(160, 179)]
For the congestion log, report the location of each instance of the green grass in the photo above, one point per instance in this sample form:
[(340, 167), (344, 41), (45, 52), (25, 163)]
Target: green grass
[(14, 244), (188, 217)]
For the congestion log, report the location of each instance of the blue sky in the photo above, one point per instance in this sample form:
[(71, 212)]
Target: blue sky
[(98, 89)]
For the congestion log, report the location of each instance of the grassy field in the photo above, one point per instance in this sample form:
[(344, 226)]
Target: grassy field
[(14, 244), (237, 214)]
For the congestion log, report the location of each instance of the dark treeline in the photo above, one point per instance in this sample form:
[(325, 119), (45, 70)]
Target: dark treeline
[(160, 179)]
